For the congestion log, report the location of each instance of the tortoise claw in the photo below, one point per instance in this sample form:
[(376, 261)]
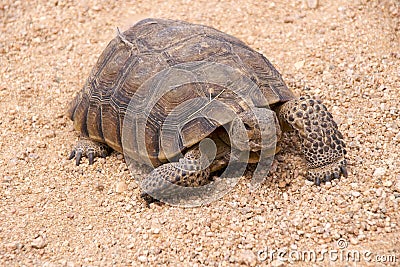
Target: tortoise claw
[(317, 181), (72, 155), (343, 169), (78, 158), (91, 157), (328, 178), (336, 175)]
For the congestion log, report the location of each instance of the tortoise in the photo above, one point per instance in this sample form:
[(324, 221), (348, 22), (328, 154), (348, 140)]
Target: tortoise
[(143, 53)]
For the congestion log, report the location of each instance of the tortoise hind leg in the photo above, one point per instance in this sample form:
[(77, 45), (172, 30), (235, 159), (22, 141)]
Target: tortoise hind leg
[(321, 142), (162, 182), (89, 148)]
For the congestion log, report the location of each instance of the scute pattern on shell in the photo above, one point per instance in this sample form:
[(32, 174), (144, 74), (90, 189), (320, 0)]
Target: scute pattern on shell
[(153, 45)]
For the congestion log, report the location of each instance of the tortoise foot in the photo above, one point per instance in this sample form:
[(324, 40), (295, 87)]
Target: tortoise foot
[(90, 149), (328, 172), (169, 181), (321, 141)]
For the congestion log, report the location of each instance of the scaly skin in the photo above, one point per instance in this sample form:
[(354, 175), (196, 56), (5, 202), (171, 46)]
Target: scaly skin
[(321, 142), (187, 172)]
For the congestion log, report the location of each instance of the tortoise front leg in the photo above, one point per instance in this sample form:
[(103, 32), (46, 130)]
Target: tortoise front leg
[(190, 171), (321, 142)]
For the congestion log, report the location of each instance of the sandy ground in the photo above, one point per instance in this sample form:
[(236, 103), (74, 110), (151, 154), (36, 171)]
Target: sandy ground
[(54, 213)]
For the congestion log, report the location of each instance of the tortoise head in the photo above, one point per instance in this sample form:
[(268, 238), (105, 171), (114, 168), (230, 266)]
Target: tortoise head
[(255, 130)]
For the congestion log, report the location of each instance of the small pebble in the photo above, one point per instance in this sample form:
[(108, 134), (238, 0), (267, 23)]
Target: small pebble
[(99, 187), (378, 192), (247, 257), (282, 184), (308, 182), (49, 134), (387, 183), (142, 258), (33, 156), (397, 137), (354, 185), (397, 187), (22, 155), (128, 207), (313, 4), (260, 218), (209, 234), (353, 241), (328, 185), (38, 243), (277, 263), (379, 172), (288, 20), (120, 187), (7, 179), (299, 65), (14, 245)]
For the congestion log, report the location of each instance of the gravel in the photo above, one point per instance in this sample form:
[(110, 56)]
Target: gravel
[(55, 213)]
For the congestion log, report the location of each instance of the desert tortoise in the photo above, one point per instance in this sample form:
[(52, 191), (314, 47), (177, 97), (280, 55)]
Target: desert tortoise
[(151, 46)]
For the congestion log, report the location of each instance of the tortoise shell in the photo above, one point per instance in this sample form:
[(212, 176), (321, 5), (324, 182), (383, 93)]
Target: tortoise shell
[(157, 65)]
